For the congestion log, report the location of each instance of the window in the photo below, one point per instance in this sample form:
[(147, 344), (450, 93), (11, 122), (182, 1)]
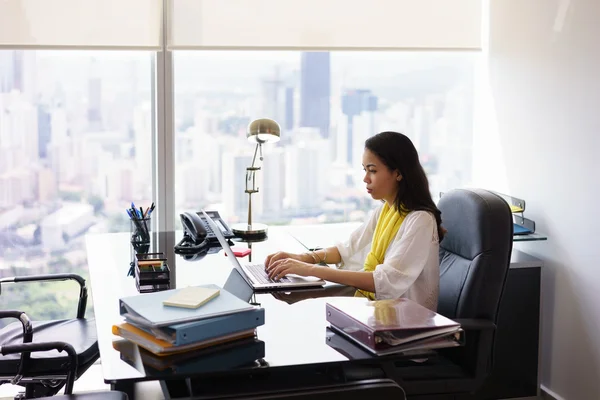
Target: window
[(75, 149), (328, 104)]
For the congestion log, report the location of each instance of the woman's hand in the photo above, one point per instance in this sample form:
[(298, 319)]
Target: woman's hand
[(280, 268), (282, 255)]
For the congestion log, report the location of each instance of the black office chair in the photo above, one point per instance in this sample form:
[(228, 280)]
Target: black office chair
[(46, 371), (71, 374), (474, 261)]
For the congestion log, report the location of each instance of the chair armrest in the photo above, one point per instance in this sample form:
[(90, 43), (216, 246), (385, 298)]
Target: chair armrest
[(27, 348), (476, 356), (27, 337), (81, 305), (472, 324)]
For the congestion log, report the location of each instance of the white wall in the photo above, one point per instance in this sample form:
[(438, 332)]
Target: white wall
[(538, 138)]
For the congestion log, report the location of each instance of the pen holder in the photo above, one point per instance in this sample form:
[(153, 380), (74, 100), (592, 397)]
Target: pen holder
[(140, 231), (139, 238)]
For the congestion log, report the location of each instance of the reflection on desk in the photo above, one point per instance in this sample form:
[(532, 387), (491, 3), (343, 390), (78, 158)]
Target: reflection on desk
[(343, 345), (227, 356)]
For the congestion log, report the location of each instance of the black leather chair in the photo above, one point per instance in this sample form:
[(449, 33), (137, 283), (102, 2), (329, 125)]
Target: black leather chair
[(48, 369), (71, 375), (474, 262)]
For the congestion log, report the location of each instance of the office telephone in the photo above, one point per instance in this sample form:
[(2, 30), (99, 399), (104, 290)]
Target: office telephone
[(198, 235)]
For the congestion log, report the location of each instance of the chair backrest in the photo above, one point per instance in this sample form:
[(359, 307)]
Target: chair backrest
[(475, 253)]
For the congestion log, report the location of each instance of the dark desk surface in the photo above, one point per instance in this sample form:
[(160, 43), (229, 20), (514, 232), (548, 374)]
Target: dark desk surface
[(293, 334)]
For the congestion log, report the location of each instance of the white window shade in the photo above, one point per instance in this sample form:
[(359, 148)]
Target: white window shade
[(325, 24), (81, 23)]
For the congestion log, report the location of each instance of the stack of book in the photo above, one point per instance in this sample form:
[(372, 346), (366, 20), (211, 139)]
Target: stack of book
[(391, 326), (193, 323)]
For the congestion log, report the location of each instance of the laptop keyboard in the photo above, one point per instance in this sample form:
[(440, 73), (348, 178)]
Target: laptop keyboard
[(258, 271)]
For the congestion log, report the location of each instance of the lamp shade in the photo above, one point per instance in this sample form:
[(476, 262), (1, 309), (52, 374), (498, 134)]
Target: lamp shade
[(263, 130)]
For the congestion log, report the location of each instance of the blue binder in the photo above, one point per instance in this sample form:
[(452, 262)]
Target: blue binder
[(206, 329), (147, 310)]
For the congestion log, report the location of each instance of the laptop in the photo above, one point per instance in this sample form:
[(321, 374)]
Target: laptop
[(255, 274)]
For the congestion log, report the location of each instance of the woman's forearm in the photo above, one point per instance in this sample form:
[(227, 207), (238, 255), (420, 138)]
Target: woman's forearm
[(358, 279), (330, 255)]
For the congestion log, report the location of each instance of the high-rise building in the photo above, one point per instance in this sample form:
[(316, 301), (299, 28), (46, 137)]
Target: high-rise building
[(288, 124), (315, 91), (6, 71), (306, 184), (17, 72), (354, 103), (273, 175), (18, 132), (44, 130), (46, 185), (273, 97), (142, 128), (94, 105), (234, 184)]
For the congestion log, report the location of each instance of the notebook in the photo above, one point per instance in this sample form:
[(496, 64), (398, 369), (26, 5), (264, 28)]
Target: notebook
[(191, 297), (148, 309)]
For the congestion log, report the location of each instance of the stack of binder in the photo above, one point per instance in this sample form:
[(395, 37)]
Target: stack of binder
[(392, 326), (167, 334)]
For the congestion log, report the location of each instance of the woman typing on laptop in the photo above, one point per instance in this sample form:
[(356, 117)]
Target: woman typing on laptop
[(402, 236)]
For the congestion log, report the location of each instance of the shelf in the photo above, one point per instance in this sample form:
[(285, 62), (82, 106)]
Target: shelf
[(529, 238)]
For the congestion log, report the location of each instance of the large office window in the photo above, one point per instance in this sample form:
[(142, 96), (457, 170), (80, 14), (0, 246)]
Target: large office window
[(328, 104), (75, 149)]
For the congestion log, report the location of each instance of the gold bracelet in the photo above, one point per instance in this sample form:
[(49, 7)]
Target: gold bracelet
[(316, 257), (324, 254), (316, 261)]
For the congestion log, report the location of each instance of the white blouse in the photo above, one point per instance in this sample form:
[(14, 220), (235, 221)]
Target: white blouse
[(411, 266)]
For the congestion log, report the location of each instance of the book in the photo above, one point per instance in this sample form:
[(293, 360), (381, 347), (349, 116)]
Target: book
[(382, 326), (191, 297), (148, 310)]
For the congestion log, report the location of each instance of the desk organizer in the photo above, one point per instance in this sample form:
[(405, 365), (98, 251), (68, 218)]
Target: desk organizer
[(152, 274)]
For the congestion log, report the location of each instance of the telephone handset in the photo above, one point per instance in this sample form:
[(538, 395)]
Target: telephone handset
[(197, 234)]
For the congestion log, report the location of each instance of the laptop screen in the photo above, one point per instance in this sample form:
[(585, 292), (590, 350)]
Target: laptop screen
[(237, 285), (232, 258)]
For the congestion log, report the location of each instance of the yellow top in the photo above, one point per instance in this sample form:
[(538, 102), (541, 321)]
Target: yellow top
[(387, 226)]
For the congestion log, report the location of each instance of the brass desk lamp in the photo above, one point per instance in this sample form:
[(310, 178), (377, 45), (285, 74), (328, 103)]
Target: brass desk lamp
[(259, 131)]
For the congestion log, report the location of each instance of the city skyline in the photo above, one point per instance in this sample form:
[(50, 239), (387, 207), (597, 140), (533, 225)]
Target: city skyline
[(85, 138)]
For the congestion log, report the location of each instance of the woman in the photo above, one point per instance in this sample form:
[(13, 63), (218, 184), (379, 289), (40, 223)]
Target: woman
[(402, 236)]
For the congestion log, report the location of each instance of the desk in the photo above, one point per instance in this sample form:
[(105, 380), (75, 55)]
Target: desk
[(515, 372), (294, 335)]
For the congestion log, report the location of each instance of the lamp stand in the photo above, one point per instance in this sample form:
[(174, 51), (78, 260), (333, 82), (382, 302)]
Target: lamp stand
[(251, 230)]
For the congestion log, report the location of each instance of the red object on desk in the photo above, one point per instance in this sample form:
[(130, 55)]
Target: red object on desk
[(240, 251)]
